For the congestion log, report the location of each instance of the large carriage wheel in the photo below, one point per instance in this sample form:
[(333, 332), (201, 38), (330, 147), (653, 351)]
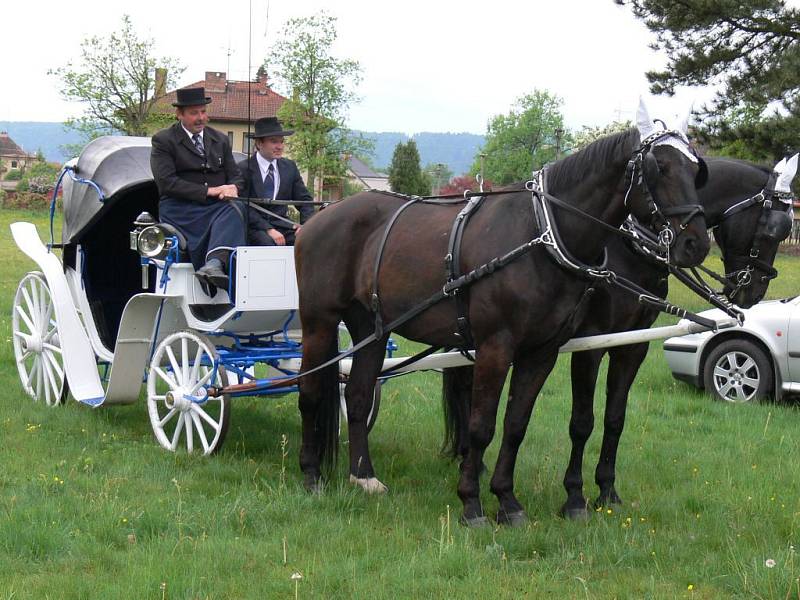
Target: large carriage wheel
[(37, 347), (181, 412)]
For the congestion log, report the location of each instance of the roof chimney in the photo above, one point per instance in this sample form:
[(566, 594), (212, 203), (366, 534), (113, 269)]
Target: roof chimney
[(262, 77), (215, 81)]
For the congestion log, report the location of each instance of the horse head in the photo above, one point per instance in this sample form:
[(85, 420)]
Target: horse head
[(750, 231), (668, 173)]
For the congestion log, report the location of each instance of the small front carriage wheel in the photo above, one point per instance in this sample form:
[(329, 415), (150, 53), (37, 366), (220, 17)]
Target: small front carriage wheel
[(738, 371), (181, 412), (37, 348)]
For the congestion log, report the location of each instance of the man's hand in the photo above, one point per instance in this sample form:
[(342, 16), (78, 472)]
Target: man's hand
[(222, 192), (277, 237)]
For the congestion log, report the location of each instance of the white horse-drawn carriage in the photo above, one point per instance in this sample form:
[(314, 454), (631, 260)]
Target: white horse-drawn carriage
[(122, 307)]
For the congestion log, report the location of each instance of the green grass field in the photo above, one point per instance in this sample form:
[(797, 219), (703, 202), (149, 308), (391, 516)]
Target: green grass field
[(91, 507)]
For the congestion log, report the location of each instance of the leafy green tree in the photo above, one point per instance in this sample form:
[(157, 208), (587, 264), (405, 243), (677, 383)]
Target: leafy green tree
[(405, 174), (523, 140), (587, 134), (439, 174), (319, 88), (115, 79), (40, 177), (750, 48)]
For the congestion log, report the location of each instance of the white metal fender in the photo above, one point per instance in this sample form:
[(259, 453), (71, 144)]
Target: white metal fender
[(144, 317), (80, 365)]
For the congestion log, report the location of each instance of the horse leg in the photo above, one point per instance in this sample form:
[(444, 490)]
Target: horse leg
[(624, 363), (358, 396), (319, 403), (456, 402), (584, 367), (527, 378), (489, 374)]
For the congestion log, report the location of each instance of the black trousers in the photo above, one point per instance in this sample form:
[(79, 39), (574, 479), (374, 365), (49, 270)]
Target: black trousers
[(216, 228)]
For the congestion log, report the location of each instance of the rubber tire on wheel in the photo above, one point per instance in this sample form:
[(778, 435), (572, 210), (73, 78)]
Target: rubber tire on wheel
[(202, 419), (738, 371), (37, 348)]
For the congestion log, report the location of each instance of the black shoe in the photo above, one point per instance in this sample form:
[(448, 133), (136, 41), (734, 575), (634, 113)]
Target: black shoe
[(212, 274)]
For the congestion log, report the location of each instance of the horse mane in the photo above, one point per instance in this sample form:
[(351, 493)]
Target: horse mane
[(739, 162), (592, 159)]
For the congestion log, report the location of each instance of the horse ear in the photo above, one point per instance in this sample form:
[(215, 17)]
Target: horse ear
[(683, 124), (644, 122), (780, 166), (785, 179)]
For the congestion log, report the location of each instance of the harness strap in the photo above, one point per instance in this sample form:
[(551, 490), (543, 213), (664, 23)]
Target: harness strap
[(374, 298), (453, 268)]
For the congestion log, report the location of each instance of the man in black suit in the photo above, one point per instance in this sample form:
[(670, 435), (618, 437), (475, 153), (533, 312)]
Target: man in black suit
[(196, 175), (270, 176)]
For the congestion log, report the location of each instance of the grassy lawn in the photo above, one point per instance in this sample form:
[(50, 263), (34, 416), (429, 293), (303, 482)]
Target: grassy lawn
[(91, 507)]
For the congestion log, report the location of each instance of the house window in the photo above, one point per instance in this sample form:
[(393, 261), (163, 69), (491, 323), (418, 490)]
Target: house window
[(246, 141), (13, 164), (230, 138)]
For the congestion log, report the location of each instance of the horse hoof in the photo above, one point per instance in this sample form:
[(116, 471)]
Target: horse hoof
[(475, 522), (517, 518), (606, 501), (371, 485), (575, 514), (313, 485)]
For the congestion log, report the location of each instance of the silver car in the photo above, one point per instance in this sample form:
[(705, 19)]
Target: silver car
[(743, 363)]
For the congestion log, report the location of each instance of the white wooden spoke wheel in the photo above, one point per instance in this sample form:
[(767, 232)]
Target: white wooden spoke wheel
[(181, 412), (37, 348)]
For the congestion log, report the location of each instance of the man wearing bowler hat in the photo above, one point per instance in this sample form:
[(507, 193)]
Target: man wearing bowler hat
[(270, 176), (196, 175)]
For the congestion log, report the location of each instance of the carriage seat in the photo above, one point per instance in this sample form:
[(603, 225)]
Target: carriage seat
[(183, 246)]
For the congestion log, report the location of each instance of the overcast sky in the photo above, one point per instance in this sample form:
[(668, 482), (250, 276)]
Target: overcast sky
[(427, 65)]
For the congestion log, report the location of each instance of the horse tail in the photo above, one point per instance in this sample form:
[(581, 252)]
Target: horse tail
[(326, 425), (456, 403)]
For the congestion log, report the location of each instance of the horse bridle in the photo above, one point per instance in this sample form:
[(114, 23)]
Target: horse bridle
[(770, 200), (658, 216)]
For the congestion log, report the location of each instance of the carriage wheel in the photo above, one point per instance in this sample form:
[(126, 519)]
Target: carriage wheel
[(181, 412), (37, 347)]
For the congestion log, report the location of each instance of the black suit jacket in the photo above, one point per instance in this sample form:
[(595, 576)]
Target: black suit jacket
[(181, 172), (291, 188)]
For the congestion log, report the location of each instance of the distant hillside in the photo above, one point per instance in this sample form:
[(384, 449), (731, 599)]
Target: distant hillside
[(47, 137), (456, 150)]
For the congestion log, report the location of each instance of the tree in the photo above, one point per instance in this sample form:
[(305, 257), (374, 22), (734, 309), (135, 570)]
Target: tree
[(40, 177), (405, 175), (587, 134), (116, 80), (318, 86), (750, 48), (438, 174), (523, 140)]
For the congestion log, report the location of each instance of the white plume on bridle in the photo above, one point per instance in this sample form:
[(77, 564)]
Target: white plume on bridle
[(647, 127), (786, 170)]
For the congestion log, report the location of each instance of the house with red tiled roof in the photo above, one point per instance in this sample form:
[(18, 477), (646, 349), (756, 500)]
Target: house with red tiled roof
[(12, 157), (229, 108)]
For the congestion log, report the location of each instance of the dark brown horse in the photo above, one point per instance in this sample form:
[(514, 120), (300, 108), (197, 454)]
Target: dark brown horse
[(741, 224), (521, 313)]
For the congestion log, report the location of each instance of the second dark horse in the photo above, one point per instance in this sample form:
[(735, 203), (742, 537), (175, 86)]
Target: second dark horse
[(741, 224)]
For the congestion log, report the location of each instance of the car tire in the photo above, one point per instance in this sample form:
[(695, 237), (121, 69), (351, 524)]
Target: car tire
[(738, 371)]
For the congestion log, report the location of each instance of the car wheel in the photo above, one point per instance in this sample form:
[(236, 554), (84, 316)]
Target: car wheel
[(738, 371)]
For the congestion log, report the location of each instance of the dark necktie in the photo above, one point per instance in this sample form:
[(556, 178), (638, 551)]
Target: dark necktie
[(269, 183), (198, 143)]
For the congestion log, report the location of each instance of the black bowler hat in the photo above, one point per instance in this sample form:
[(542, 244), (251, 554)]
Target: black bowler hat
[(268, 127), (191, 97)]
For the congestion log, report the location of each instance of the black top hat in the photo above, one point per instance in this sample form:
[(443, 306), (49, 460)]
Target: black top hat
[(191, 97), (268, 127)]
